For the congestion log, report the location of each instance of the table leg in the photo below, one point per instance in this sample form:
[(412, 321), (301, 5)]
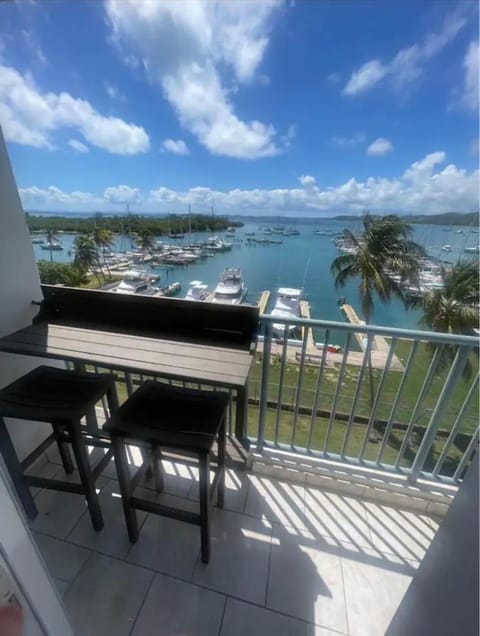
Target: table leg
[(241, 417)]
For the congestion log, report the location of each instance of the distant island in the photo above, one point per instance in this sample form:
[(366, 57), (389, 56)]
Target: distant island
[(131, 223), (448, 218)]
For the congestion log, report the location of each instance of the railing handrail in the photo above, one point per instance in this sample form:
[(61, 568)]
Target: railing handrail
[(411, 334)]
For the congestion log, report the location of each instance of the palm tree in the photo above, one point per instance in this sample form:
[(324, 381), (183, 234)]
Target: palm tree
[(145, 239), (51, 237), (86, 255), (103, 239), (454, 308), (384, 257)]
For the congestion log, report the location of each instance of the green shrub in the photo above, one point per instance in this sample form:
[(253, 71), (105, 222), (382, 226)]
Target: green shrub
[(60, 273)]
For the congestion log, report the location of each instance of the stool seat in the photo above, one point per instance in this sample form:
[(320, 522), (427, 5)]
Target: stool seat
[(61, 398), (48, 393), (164, 415)]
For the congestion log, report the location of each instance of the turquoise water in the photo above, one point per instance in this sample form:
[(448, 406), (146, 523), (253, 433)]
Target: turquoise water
[(301, 261)]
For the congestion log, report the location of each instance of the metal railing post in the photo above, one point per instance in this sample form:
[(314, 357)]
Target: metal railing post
[(439, 410), (267, 347)]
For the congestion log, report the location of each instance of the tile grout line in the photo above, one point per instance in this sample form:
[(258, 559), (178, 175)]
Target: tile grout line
[(220, 627), (344, 593), (142, 604)]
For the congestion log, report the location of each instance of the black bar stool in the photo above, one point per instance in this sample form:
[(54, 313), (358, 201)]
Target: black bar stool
[(185, 420), (62, 398)]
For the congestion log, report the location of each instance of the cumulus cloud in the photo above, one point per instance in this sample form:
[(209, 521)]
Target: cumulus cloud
[(187, 48), (77, 145), (349, 142), (176, 146), (122, 195), (307, 181), (380, 147), (31, 117), (423, 187), (407, 65)]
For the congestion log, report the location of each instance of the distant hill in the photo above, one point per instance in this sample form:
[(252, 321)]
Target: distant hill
[(448, 218)]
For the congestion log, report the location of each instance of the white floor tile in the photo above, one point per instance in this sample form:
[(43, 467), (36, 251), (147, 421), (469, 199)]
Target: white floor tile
[(400, 532), (373, 591), (63, 560), (42, 468), (173, 607), (167, 545), (236, 489), (315, 630), (276, 501), (342, 518), (106, 597), (242, 618), (305, 579), (58, 512), (239, 557)]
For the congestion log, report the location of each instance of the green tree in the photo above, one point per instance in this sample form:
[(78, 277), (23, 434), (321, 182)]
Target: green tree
[(103, 239), (145, 239), (51, 237), (86, 255), (454, 308), (384, 257), (60, 274)]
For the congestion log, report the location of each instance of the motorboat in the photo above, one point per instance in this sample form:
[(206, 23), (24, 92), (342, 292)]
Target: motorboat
[(231, 288), (446, 248), (197, 291), (136, 281), (287, 305), (472, 250), (53, 246)]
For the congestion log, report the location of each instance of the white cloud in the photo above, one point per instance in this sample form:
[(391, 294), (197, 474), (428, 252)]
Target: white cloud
[(334, 78), (77, 145), (113, 92), (349, 142), (30, 117), (470, 91), (424, 187), (187, 48), (122, 194), (177, 147), (407, 65), (307, 181), (380, 147)]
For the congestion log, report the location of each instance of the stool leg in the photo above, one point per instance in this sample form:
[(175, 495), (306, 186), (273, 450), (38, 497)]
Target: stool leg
[(63, 450), (147, 458), (14, 468), (86, 477), (123, 474), (221, 444), (204, 486), (157, 469)]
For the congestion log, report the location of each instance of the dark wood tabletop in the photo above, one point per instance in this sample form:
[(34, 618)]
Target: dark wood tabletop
[(215, 365)]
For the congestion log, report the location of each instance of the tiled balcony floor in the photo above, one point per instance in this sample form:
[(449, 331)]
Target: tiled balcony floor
[(287, 559)]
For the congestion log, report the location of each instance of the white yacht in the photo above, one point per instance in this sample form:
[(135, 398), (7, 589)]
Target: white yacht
[(197, 291), (136, 281), (287, 305), (231, 288)]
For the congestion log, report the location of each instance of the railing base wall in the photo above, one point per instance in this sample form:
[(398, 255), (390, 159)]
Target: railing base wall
[(365, 483)]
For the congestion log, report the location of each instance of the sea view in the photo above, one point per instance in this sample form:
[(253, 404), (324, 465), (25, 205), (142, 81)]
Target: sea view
[(301, 261)]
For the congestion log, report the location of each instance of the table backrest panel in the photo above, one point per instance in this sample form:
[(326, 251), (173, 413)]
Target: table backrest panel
[(233, 326)]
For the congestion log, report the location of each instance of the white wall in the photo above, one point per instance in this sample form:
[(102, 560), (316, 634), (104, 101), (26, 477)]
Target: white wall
[(443, 597), (19, 285)]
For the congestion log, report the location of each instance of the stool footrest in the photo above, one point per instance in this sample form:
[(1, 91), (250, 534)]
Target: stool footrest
[(166, 511), (97, 471), (54, 484), (35, 454)]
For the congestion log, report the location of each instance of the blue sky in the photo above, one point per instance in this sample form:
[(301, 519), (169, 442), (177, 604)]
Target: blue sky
[(272, 107)]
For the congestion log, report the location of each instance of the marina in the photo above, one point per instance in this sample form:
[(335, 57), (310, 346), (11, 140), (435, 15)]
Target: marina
[(301, 260)]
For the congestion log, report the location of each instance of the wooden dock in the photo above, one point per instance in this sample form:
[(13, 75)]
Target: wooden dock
[(263, 301), (305, 313)]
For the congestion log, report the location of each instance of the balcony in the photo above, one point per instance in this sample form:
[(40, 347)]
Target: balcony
[(348, 477)]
